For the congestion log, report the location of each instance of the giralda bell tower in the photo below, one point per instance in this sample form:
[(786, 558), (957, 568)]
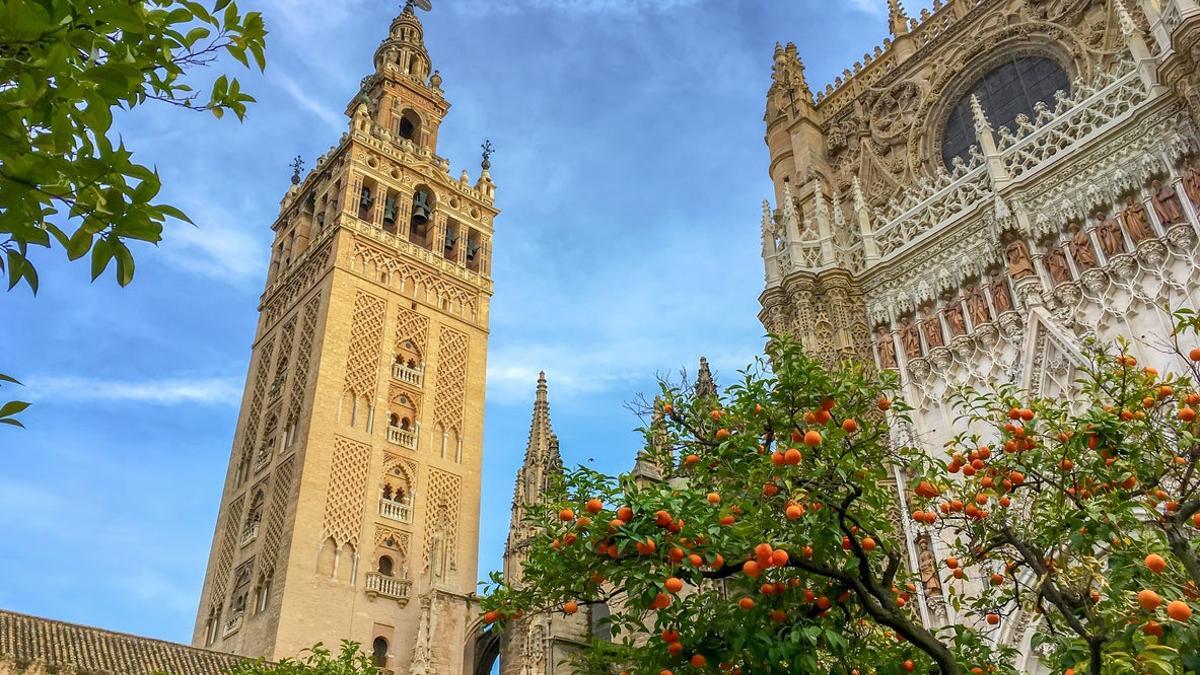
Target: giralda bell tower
[(351, 506)]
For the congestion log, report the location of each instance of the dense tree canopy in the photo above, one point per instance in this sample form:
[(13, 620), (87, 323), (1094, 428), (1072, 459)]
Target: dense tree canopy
[(65, 67), (315, 661), (778, 545)]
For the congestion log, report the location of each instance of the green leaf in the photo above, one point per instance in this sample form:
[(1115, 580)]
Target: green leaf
[(79, 244), (102, 253), (124, 263), (12, 408)]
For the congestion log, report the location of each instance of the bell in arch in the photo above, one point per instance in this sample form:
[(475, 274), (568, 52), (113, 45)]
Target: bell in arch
[(422, 211), (389, 210)]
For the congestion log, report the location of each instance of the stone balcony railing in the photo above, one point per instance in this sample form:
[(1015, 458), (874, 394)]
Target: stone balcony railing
[(379, 585), (413, 376), (233, 625), (250, 534), (405, 437), (394, 510)]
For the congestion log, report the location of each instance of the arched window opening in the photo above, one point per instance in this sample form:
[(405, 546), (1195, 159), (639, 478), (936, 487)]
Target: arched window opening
[(386, 565), (212, 626), (366, 199), (1010, 89), (409, 125), (346, 563), (391, 211), (379, 652), (421, 221), (262, 594), (241, 586), (254, 516), (450, 247), (474, 251), (327, 559)]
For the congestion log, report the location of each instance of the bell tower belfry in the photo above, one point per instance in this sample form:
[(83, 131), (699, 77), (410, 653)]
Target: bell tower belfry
[(351, 505)]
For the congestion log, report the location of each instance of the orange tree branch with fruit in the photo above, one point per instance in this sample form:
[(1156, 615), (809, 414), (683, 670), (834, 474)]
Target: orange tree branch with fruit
[(770, 548), (1085, 513)]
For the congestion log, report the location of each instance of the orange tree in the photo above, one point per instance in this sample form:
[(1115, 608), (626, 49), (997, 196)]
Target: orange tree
[(769, 550), (1083, 512)]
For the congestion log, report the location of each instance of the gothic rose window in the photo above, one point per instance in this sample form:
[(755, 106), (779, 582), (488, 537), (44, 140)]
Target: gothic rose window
[(1009, 90)]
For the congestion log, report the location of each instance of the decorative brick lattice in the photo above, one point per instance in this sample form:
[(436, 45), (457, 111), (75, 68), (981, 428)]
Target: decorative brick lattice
[(366, 341), (413, 327), (301, 279), (395, 465), (277, 511), (287, 336), (231, 526), (442, 503), (451, 379), (303, 353), (347, 489), (250, 434)]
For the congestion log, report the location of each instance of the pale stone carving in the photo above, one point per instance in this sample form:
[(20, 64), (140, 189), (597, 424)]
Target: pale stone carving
[(1056, 265), (910, 339), (954, 317), (887, 350), (933, 332), (1191, 184), (977, 306), (1001, 298)]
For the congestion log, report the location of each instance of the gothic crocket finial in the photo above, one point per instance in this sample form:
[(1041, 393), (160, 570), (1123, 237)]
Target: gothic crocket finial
[(706, 387), (897, 18)]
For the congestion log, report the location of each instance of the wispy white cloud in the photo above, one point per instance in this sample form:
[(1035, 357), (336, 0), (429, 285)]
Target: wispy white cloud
[(334, 119), (225, 391), (216, 247), (869, 6), (627, 7)]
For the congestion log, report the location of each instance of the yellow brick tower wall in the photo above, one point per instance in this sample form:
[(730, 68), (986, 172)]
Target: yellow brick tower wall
[(351, 506)]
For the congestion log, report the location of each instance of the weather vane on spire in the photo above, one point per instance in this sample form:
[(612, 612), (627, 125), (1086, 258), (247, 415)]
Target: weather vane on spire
[(487, 154), (422, 4), (297, 166)]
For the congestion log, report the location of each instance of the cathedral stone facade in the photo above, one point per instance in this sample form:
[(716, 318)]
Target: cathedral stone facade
[(351, 505), (997, 182)]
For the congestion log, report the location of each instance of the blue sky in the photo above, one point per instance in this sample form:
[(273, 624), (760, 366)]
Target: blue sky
[(630, 168)]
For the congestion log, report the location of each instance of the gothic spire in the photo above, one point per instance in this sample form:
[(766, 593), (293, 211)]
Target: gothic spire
[(647, 468), (897, 18), (706, 387)]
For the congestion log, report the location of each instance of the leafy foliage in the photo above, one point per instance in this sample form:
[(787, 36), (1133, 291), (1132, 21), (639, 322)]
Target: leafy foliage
[(315, 661), (1049, 507), (65, 65)]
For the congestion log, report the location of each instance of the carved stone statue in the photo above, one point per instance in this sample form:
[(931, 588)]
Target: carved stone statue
[(1001, 298), (1056, 265), (1191, 184), (909, 339), (954, 317), (1166, 202), (1137, 221), (1081, 249), (932, 328), (887, 349), (1109, 232), (977, 306), (1017, 255)]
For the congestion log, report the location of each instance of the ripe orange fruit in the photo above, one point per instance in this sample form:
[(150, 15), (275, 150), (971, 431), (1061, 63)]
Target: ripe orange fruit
[(675, 648), (698, 660), (770, 489), (952, 562), (695, 560), (908, 666), (812, 438), (716, 415), (1149, 600), (795, 511), (869, 544), (1066, 465), (746, 603), (1194, 354), (993, 619), (883, 403), (792, 456), (714, 498), (779, 557), (722, 434), (777, 458), (727, 520), (823, 602), (1155, 563), (594, 506), (668, 408), (752, 569), (661, 601), (1153, 627), (777, 615), (566, 514), (850, 426), (997, 579), (570, 607), (490, 617), (1179, 610), (1187, 414), (1016, 477), (670, 636), (625, 514)]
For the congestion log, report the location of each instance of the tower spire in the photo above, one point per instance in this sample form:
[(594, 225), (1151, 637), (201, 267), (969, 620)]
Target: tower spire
[(706, 387), (897, 18)]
